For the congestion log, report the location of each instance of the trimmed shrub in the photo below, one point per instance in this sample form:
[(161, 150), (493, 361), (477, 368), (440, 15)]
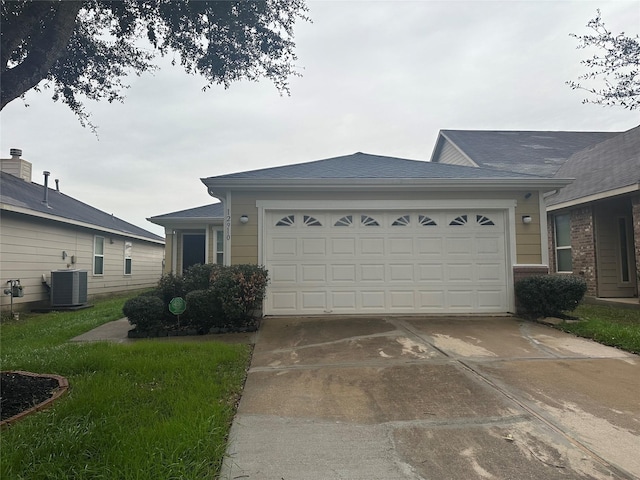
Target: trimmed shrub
[(145, 312), (204, 310), (197, 277), (549, 295), (170, 286), (219, 297), (240, 289)]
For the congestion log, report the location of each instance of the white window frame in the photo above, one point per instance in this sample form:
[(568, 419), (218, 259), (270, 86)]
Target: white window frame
[(557, 247), (218, 237), (128, 250), (98, 255)]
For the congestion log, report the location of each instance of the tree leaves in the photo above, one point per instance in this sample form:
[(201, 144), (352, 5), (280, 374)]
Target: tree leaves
[(89, 56), (616, 68)]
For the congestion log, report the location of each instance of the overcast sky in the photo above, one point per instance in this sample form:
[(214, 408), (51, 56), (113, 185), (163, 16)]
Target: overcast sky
[(381, 77)]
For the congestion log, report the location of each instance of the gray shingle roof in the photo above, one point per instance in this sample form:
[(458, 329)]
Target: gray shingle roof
[(609, 165), (27, 195), (365, 166), (212, 211), (539, 153)]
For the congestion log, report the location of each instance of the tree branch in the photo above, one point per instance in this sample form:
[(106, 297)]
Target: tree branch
[(48, 46)]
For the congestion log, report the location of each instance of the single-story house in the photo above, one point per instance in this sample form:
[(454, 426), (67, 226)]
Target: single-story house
[(362, 234), (193, 236), (594, 223), (46, 234)]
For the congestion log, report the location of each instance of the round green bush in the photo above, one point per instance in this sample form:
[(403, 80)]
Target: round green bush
[(145, 312), (204, 310), (549, 295)]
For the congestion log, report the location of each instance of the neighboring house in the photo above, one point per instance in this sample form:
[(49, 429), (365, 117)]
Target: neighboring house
[(193, 236), (44, 231), (594, 223), (363, 234), (538, 153)]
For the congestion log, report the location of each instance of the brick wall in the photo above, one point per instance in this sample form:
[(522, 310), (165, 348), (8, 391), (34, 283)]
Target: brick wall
[(583, 246), (635, 205)]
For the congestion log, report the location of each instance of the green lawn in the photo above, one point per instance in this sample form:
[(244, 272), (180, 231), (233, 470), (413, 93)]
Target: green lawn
[(147, 410), (610, 325)]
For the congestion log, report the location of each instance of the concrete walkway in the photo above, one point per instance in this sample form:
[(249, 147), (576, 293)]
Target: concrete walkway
[(434, 398)]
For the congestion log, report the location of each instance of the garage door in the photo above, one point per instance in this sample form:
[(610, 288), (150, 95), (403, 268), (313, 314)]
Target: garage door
[(385, 262)]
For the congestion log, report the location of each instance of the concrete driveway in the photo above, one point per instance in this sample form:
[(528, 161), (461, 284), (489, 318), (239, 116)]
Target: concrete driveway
[(434, 398)]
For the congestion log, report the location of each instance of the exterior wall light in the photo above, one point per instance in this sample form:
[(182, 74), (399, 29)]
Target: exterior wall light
[(244, 219), (526, 219)]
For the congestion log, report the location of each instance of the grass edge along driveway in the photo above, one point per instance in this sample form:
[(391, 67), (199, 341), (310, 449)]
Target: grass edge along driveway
[(145, 410), (610, 325)]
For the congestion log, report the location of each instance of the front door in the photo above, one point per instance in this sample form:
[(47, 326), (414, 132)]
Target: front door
[(615, 253), (193, 249)]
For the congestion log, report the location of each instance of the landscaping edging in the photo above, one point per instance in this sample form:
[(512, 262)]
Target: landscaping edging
[(63, 386), (162, 332)]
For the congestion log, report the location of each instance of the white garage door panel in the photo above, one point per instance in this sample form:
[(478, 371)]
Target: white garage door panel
[(385, 262)]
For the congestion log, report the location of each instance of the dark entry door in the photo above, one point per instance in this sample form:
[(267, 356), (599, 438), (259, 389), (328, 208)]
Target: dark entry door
[(193, 245)]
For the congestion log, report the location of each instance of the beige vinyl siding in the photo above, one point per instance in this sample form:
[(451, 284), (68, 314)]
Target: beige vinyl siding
[(31, 247), (452, 156), (529, 249), (244, 238)]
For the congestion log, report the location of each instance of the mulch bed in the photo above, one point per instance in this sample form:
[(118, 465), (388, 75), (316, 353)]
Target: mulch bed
[(25, 392)]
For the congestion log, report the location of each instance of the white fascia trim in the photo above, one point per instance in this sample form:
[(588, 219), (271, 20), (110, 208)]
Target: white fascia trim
[(497, 204), (596, 196), (67, 221), (385, 184), (187, 221)]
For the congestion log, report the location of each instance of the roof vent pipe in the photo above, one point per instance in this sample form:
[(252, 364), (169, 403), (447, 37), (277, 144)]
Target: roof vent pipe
[(46, 188), (57, 185), (15, 152)]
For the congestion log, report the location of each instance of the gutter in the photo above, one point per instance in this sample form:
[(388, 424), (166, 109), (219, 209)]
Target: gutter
[(166, 222), (56, 218), (594, 197), (351, 184)]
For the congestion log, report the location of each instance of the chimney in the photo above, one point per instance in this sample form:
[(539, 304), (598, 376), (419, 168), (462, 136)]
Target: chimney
[(46, 188), (16, 166)]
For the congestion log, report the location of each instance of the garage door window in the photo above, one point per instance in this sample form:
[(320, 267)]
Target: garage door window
[(402, 221), (345, 221), (368, 221), (459, 221), (482, 220), (287, 221), (426, 221), (309, 221)]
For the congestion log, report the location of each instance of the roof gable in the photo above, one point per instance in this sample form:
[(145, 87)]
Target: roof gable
[(608, 166), (531, 152), (366, 166), (27, 197)]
